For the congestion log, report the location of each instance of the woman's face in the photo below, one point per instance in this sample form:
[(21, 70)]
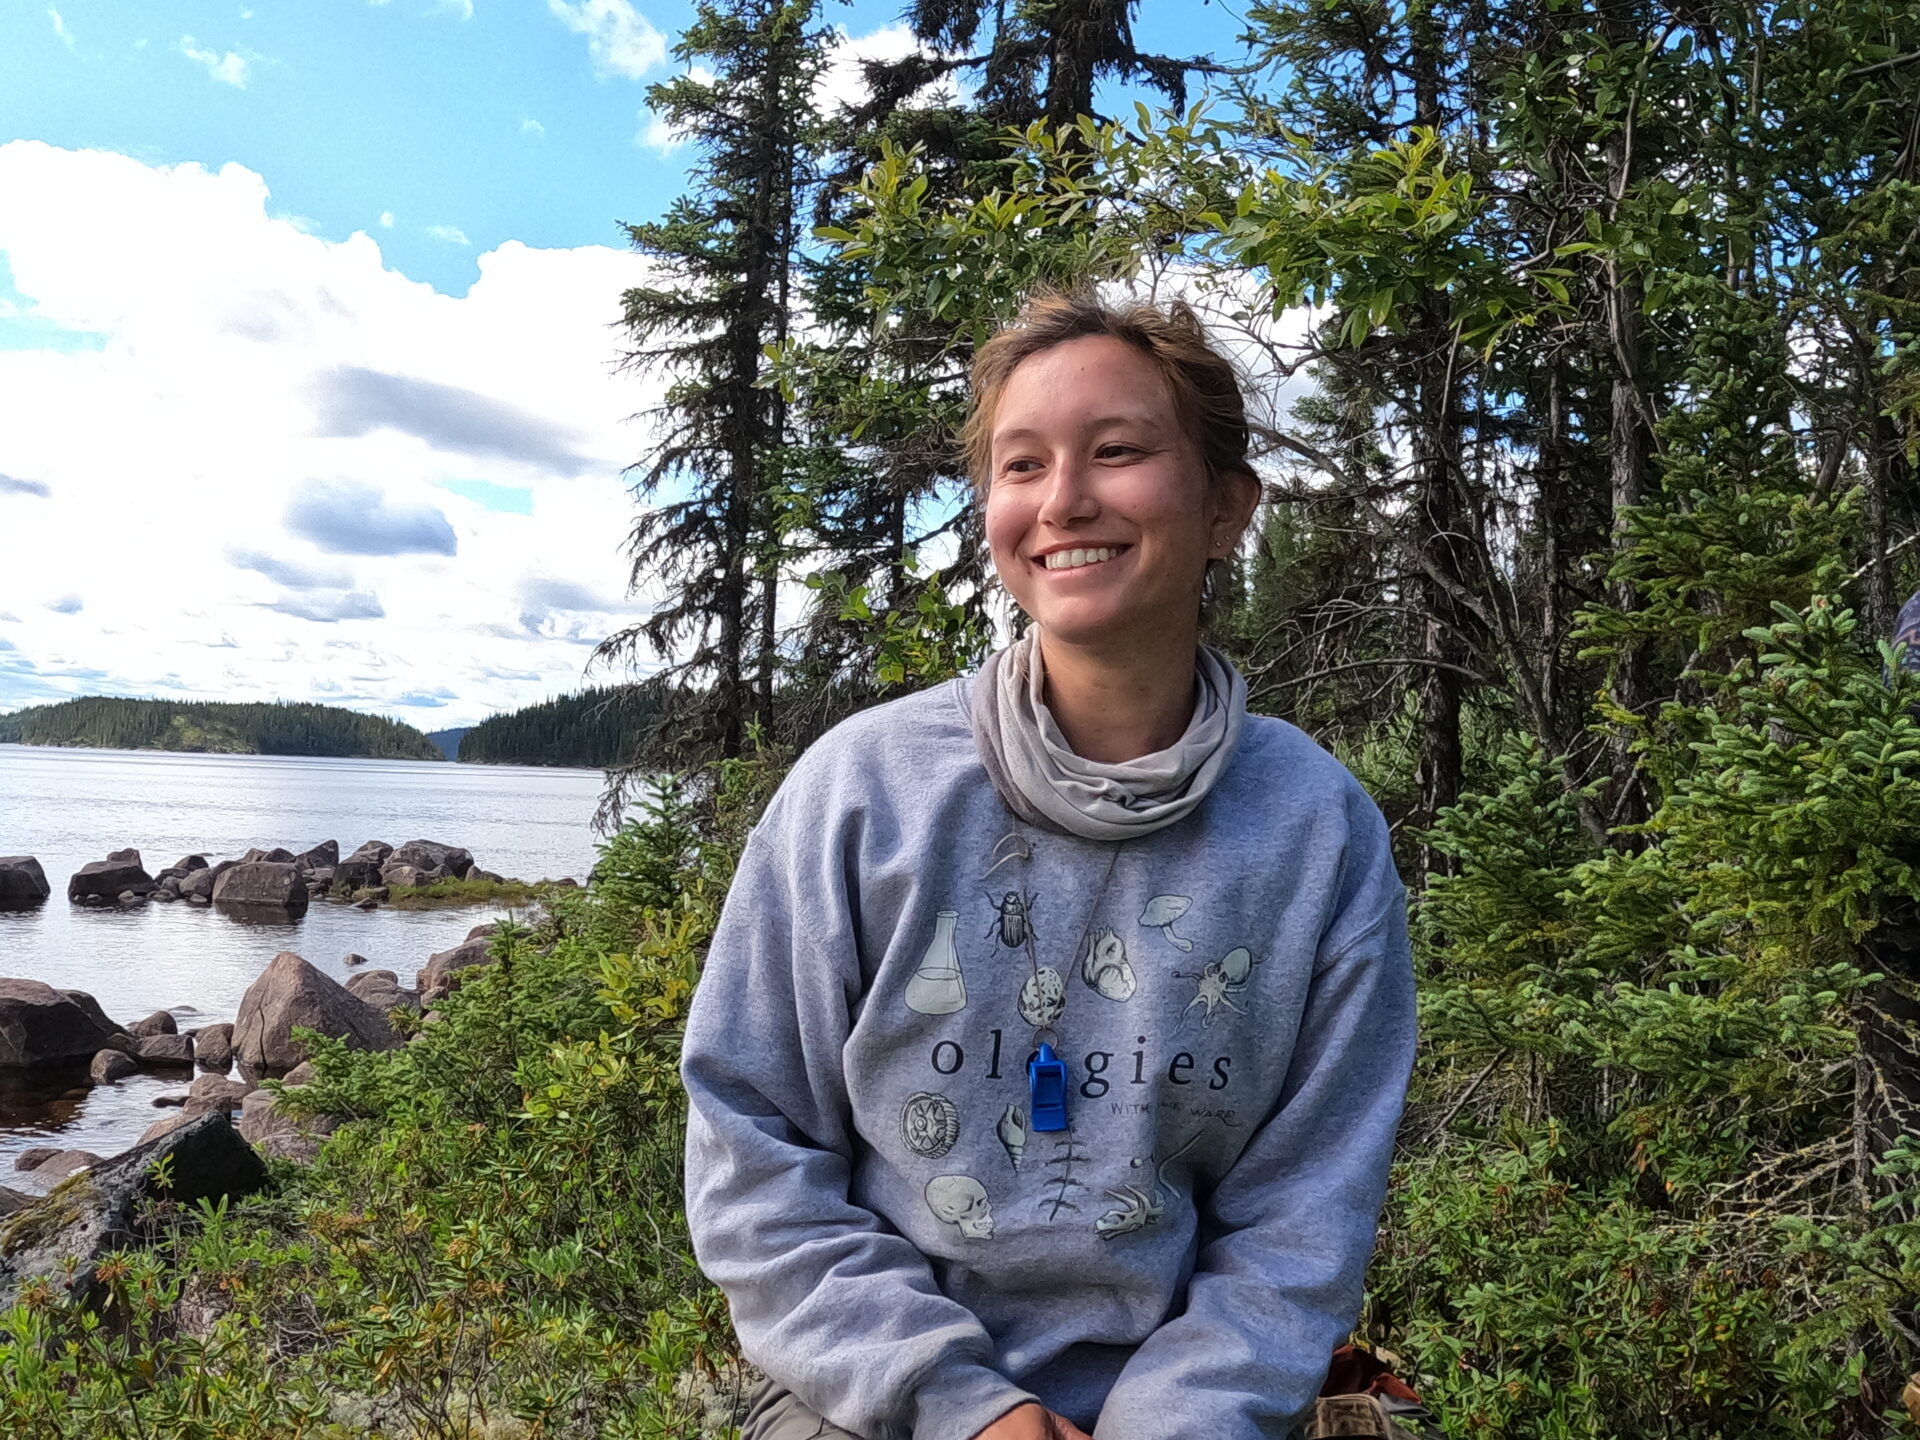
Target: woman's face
[(1098, 510)]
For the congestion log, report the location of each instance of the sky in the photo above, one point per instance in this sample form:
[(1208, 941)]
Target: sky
[(307, 349)]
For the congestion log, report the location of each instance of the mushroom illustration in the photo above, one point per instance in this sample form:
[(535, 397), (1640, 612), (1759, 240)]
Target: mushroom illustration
[(1160, 914)]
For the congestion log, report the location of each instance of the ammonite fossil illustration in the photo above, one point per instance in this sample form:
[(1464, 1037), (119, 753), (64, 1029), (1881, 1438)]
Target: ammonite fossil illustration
[(929, 1124)]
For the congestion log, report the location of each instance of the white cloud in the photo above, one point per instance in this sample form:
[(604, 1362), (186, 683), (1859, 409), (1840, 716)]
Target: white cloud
[(620, 40), (298, 410), (228, 68), (452, 234), (842, 81), (462, 8), (530, 126), (386, 219), (60, 27)]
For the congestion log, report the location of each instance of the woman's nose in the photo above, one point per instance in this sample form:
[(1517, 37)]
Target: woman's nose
[(1069, 496)]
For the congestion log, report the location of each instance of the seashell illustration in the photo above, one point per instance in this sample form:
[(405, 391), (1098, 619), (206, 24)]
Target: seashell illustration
[(1013, 1133), (929, 1124), (1106, 967), (1236, 965), (1043, 997), (1160, 914)]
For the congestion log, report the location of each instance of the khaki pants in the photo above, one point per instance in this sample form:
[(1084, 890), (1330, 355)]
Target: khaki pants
[(774, 1414)]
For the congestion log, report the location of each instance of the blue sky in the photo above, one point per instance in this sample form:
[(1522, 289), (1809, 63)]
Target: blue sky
[(307, 345), (490, 120)]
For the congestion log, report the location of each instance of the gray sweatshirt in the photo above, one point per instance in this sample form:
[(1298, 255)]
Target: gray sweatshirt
[(1233, 997)]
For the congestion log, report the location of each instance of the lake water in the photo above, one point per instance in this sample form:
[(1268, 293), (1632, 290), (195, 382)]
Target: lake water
[(68, 807)]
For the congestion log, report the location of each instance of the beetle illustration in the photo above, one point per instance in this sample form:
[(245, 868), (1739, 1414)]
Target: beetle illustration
[(1013, 919)]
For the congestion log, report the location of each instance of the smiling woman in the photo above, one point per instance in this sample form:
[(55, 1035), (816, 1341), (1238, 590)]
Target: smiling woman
[(948, 1191)]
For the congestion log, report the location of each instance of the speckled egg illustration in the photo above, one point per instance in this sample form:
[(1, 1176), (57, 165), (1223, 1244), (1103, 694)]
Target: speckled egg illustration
[(1043, 997)]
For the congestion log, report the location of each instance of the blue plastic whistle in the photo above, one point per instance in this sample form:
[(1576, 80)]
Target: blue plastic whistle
[(1047, 1082)]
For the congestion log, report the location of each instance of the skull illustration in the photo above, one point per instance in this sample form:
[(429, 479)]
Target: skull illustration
[(961, 1200)]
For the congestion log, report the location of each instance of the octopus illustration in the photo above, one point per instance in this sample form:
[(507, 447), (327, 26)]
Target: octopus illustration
[(1219, 980)]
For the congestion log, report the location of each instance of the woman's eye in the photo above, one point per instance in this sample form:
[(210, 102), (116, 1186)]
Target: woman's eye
[(1116, 450), (1019, 467)]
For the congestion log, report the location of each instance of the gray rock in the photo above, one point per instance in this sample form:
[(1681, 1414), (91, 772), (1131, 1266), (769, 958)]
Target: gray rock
[(157, 1051), (215, 1092), (166, 892), (202, 900), (289, 993), (262, 885), (65, 1163), (92, 1007), (320, 878), (165, 1125), (111, 1065), (371, 902), (198, 884), (438, 976), (169, 1102), (375, 850), (275, 1134), (128, 854), (326, 853), (213, 1048), (301, 1074), (41, 1026), (382, 990), (279, 855), (191, 863), (35, 1156), (396, 873), (12, 1202), (355, 960), (432, 855), (23, 884), (61, 1238), (104, 881), (130, 898), (476, 873), (160, 1022)]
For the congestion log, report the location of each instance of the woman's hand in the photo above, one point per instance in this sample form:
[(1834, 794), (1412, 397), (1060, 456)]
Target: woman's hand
[(1032, 1422)]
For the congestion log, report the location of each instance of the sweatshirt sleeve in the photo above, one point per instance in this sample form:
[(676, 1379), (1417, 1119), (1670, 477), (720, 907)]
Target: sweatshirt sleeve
[(826, 1298), (1286, 1235)]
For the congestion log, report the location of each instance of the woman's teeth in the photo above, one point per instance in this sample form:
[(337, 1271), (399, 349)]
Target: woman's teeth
[(1074, 559)]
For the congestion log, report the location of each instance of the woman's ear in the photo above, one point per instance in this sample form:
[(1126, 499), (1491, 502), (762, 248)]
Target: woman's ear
[(1236, 497)]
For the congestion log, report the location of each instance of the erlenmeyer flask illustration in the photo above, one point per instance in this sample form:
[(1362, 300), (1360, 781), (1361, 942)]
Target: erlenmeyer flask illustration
[(937, 987)]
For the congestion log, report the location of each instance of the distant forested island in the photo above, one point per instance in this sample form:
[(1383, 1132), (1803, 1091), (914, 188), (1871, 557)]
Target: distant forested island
[(594, 729), (215, 727)]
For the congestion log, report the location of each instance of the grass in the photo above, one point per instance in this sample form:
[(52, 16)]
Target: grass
[(450, 894)]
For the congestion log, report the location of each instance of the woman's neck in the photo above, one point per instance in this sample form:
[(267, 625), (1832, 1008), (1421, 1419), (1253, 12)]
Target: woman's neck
[(1115, 708)]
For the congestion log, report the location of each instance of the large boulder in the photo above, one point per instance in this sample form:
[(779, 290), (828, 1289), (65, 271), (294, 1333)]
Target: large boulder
[(362, 867), (262, 885), (213, 1048), (41, 1026), (111, 1065), (122, 1040), (199, 883), (65, 1163), (160, 1051), (431, 855), (289, 993), (188, 864), (102, 882), (382, 990), (60, 1238), (275, 1133), (326, 853), (438, 976), (279, 855), (215, 1092), (394, 873), (23, 883), (160, 1022)]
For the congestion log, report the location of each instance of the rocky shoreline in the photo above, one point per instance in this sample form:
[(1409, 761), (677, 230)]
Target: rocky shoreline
[(277, 880)]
